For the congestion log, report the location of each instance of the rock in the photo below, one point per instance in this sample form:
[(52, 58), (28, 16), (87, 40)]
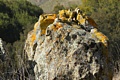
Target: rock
[(67, 52), (2, 51)]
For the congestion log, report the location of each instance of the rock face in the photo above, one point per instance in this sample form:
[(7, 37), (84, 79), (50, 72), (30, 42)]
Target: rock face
[(65, 51)]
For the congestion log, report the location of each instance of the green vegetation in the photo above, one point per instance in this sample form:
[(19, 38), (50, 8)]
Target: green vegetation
[(107, 16), (14, 16), (17, 18)]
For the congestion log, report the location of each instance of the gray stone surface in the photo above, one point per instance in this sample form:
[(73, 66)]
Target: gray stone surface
[(68, 53)]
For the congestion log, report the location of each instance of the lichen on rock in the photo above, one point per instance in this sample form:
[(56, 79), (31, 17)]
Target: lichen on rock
[(67, 50)]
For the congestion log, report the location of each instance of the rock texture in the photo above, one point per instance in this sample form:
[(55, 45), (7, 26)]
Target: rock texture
[(2, 51), (65, 51)]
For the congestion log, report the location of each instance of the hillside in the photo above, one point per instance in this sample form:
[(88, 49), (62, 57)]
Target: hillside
[(37, 2), (48, 5)]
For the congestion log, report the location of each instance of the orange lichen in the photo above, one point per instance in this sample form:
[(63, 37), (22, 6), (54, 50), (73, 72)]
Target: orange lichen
[(56, 26), (91, 21), (76, 16), (103, 39), (43, 31), (80, 19), (64, 15), (33, 38), (45, 20), (68, 15)]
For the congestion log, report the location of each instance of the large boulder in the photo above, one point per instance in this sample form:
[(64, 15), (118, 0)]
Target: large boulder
[(66, 51)]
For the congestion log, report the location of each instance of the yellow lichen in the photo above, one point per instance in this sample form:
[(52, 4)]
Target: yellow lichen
[(33, 38), (80, 19), (91, 21), (103, 39), (67, 15), (45, 20), (64, 15), (100, 36), (56, 26)]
